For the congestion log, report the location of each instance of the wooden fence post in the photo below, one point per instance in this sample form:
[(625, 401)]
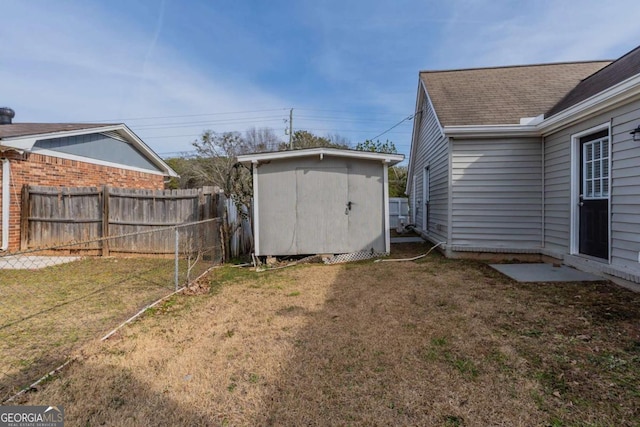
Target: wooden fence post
[(24, 218), (105, 220)]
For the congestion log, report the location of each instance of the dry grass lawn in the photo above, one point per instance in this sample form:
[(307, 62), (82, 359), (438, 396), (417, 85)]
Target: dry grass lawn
[(434, 342), (47, 314)]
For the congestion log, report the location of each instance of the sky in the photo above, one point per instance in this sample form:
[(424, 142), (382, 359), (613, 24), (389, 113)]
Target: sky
[(171, 69)]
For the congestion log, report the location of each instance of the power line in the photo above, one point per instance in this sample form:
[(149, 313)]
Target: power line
[(207, 122), (237, 112), (252, 119), (307, 129), (341, 119), (186, 115), (394, 126)]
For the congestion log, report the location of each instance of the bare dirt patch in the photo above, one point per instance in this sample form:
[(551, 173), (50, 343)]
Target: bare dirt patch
[(432, 342)]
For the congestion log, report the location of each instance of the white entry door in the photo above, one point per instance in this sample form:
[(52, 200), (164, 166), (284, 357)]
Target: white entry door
[(322, 210)]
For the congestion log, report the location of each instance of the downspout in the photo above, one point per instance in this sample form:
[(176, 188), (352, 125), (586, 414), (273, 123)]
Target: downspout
[(5, 205), (544, 215), (385, 206)]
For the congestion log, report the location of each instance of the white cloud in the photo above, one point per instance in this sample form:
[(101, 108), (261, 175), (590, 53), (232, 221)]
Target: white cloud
[(75, 68), (516, 32)]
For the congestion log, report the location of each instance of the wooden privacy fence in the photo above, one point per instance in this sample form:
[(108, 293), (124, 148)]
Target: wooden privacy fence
[(52, 216)]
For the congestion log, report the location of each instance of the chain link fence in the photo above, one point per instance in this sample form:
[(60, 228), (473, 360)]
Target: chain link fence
[(54, 299)]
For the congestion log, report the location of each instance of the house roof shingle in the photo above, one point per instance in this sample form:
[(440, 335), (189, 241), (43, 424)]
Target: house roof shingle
[(502, 95), (616, 72), (26, 129)]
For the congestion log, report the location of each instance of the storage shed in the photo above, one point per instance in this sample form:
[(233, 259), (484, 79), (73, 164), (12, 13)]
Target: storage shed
[(320, 201)]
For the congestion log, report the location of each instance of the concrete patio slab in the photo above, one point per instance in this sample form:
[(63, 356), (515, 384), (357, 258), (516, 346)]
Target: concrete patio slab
[(543, 272)]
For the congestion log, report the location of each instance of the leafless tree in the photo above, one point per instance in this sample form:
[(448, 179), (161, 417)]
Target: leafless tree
[(217, 164), (261, 140)]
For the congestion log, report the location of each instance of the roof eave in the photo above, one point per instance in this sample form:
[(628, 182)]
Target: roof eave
[(422, 90), (63, 133), (608, 98), (256, 158), (416, 119), (151, 155)]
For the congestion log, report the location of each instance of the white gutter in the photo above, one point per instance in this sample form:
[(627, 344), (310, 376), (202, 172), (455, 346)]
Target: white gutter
[(5, 204), (490, 131)]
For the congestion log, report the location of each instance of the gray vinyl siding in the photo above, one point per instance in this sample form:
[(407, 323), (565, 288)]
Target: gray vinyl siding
[(497, 193), (557, 182), (625, 186), (431, 150), (625, 189)]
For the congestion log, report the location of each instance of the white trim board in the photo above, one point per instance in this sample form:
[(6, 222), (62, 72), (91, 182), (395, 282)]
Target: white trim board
[(256, 213), (385, 207)]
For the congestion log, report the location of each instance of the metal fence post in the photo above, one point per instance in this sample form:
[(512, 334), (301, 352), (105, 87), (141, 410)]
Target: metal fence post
[(176, 256)]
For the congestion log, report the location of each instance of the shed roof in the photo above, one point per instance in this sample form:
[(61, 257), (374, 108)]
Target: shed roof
[(29, 129), (502, 95), (391, 159), (621, 69)]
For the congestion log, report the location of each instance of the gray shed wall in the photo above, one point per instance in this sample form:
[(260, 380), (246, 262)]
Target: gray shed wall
[(431, 151), (496, 189), (625, 186), (284, 224)]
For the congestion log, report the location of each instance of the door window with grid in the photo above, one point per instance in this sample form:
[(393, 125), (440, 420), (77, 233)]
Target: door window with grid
[(595, 174)]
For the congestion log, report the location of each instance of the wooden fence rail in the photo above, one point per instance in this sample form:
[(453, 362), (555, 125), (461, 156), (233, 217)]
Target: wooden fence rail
[(56, 215)]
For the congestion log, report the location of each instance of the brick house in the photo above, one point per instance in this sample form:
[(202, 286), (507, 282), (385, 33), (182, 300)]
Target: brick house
[(69, 155)]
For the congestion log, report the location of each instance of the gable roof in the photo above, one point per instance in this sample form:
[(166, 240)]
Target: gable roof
[(27, 129), (502, 95), (23, 137), (621, 69), (391, 159)]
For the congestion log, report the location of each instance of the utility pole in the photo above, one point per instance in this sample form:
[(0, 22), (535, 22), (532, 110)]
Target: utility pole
[(291, 129)]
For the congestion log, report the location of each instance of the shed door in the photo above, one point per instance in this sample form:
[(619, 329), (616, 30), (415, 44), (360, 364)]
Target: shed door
[(322, 197), (594, 195)]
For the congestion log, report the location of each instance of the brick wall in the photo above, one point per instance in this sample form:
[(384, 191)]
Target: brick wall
[(36, 169)]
